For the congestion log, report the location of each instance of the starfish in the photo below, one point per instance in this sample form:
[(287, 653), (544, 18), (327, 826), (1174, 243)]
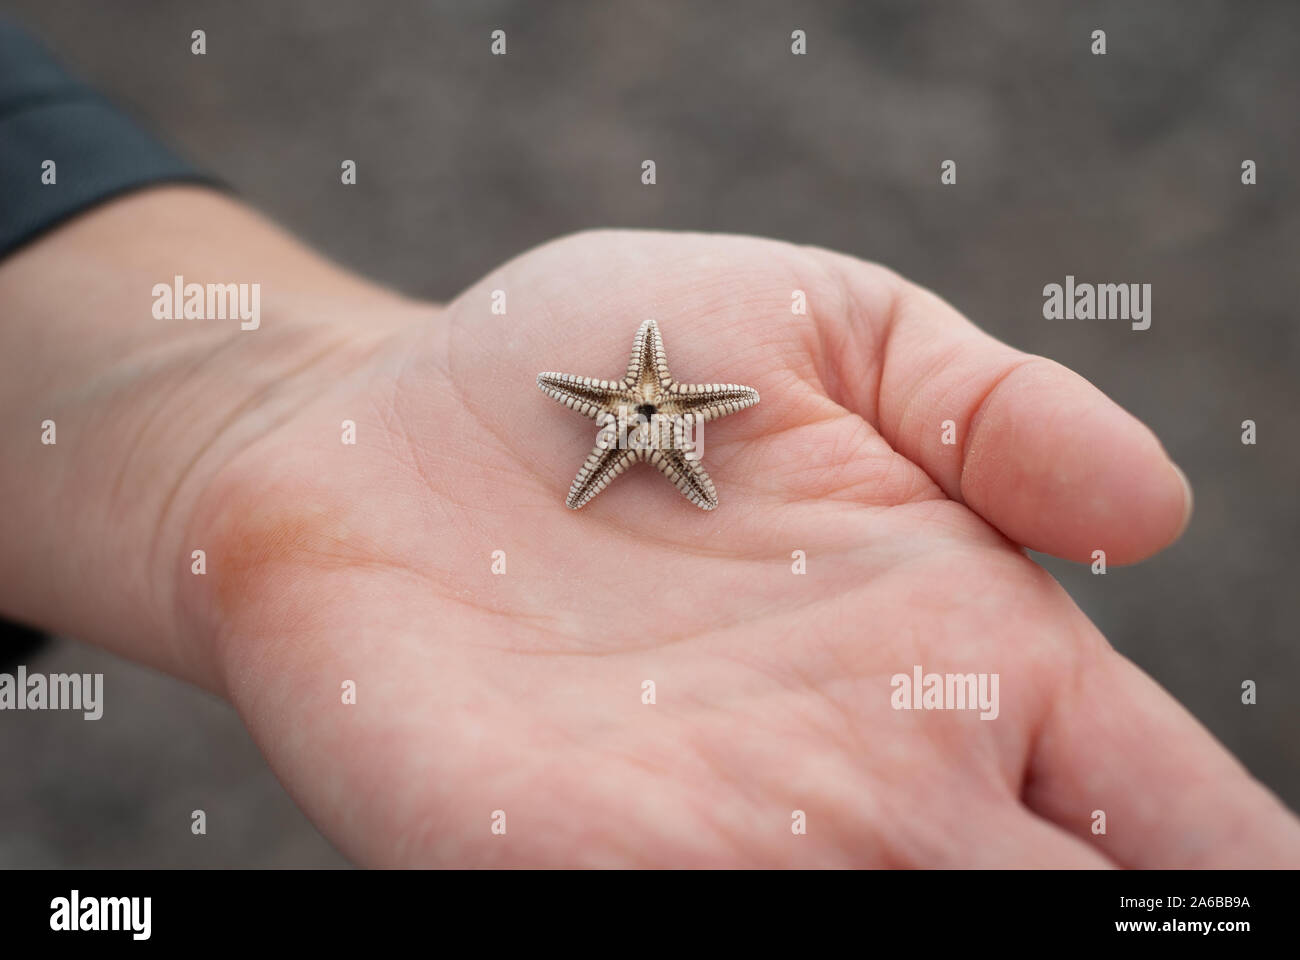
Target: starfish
[(666, 415)]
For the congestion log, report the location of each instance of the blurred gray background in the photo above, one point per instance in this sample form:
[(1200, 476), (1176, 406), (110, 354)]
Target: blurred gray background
[(1122, 168)]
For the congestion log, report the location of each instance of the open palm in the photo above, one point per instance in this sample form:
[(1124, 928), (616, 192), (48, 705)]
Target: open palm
[(500, 645)]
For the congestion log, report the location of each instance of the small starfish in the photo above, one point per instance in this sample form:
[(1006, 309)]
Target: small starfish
[(666, 415)]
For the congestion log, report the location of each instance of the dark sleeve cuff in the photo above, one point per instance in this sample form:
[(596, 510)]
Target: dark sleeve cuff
[(98, 151)]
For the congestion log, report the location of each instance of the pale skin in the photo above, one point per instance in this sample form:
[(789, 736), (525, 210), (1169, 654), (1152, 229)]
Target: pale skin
[(522, 692)]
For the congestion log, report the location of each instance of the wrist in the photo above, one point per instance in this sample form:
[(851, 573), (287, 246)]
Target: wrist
[(144, 411)]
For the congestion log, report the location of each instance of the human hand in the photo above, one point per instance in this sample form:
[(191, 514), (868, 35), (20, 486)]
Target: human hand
[(476, 692), (522, 692)]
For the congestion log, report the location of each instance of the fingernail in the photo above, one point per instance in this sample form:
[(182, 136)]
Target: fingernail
[(1187, 498)]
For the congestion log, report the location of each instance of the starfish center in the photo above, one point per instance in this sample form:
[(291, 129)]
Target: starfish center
[(646, 410)]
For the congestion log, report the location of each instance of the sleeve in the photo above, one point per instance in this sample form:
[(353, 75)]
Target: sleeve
[(97, 151)]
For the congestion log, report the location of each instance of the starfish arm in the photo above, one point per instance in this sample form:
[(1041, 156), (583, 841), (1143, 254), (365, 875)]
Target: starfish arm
[(649, 364), (688, 476), (603, 464), (710, 401), (589, 397)]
